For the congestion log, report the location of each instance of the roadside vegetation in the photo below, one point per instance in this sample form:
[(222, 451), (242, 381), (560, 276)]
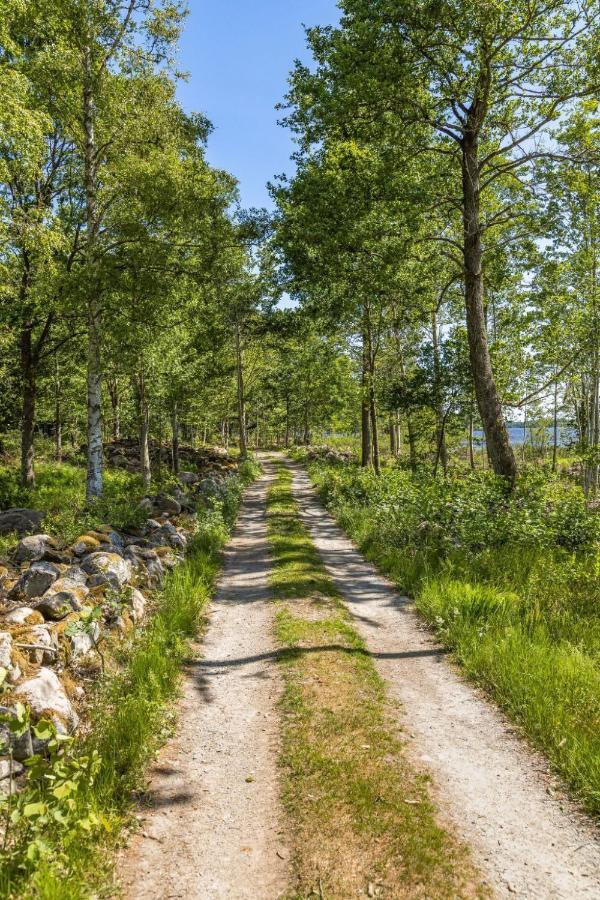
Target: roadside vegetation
[(508, 579), (61, 828), (362, 820)]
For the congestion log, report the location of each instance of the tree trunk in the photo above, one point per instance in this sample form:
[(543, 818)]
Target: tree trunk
[(241, 400), (28, 374), (471, 441), (392, 434), (175, 438), (144, 428), (440, 423), (57, 414), (488, 401), (371, 386), (412, 443), (306, 425), (374, 432), (115, 402), (160, 441), (367, 447), (94, 482), (287, 420)]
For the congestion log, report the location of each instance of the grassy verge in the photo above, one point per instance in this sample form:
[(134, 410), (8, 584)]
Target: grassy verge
[(363, 824), (67, 821), (519, 612)]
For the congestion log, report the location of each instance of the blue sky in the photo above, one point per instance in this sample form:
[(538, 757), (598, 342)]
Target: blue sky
[(238, 54)]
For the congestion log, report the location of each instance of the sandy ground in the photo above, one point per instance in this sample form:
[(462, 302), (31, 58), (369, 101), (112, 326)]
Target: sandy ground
[(213, 828), (526, 837)]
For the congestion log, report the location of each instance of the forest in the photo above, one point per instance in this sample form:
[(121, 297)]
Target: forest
[(414, 322)]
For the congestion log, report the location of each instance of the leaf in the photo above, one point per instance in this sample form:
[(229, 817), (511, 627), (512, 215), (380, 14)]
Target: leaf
[(63, 790), (44, 730), (34, 809)]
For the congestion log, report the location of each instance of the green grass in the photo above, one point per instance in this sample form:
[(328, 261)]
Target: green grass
[(362, 820), (519, 608), (128, 720), (60, 494)]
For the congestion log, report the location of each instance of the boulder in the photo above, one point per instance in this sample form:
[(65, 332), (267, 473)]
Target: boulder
[(168, 534), (23, 521), (75, 573), (164, 503), (34, 582), (155, 571), (45, 694), (23, 615), (146, 504), (77, 590), (189, 477), (22, 747), (83, 642), (56, 605), (8, 769), (33, 547), (138, 606), (114, 540), (116, 570), (45, 645), (6, 645), (86, 543)]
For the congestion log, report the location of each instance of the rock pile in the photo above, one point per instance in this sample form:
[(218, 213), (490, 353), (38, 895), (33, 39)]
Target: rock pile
[(328, 454), (125, 454), (60, 604)]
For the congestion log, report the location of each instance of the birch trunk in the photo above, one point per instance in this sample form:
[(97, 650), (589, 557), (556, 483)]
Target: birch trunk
[(94, 481)]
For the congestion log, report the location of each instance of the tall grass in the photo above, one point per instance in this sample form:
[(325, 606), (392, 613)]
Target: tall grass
[(128, 721), (510, 583)]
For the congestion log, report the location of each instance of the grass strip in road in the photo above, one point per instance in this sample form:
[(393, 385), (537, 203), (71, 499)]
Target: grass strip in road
[(362, 820)]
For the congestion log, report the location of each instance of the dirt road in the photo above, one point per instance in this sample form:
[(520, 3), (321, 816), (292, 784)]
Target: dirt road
[(213, 828)]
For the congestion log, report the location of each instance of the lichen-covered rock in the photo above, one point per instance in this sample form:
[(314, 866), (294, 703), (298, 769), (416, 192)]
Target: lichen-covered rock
[(82, 642), (42, 645), (13, 672), (138, 606), (46, 696), (56, 605), (165, 503), (10, 768), (116, 570), (189, 478), (115, 540), (24, 615), (168, 534), (77, 590), (146, 504), (76, 573), (146, 559), (33, 547), (22, 746), (34, 581), (20, 520), (86, 543)]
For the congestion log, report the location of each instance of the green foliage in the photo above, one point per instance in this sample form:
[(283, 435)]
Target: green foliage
[(60, 494), (76, 800), (356, 818), (509, 581)]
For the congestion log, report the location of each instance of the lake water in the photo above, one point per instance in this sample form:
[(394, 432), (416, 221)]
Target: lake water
[(566, 435)]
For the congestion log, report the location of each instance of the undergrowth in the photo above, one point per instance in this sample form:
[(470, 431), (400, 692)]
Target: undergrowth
[(63, 828), (510, 582), (363, 824)]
